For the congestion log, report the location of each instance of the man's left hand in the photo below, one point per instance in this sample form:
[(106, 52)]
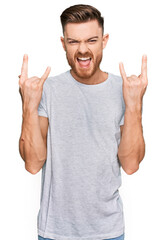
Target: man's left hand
[(134, 87)]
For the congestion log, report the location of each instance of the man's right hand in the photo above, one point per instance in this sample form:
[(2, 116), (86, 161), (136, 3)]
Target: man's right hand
[(31, 88)]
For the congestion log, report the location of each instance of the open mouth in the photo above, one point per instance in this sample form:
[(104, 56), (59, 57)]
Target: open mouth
[(84, 62)]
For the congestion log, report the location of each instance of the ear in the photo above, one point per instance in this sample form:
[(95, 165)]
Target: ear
[(105, 40), (63, 43)]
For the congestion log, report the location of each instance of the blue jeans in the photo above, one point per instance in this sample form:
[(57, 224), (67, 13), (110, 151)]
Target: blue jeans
[(117, 238)]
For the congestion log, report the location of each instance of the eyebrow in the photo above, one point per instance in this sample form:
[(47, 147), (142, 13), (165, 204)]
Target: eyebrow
[(69, 39)]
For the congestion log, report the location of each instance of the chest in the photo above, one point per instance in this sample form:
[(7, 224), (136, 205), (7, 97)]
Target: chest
[(78, 108)]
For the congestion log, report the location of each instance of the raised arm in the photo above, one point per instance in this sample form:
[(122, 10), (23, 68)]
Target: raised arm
[(132, 145), (33, 139)]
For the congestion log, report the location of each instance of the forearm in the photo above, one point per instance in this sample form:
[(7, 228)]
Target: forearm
[(31, 144), (132, 146)]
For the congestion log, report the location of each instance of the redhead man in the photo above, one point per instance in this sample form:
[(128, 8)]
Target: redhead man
[(80, 128)]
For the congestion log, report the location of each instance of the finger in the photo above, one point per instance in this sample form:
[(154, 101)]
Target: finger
[(122, 71), (144, 67), (24, 69), (45, 75)]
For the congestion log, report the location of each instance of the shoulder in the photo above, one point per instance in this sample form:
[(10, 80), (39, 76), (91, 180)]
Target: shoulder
[(116, 79), (54, 81), (116, 82)]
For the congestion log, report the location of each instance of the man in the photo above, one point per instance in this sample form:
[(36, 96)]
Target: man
[(80, 127)]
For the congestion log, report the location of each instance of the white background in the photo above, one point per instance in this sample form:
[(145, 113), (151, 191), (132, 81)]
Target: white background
[(33, 27)]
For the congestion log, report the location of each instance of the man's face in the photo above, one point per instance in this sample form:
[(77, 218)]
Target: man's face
[(84, 43)]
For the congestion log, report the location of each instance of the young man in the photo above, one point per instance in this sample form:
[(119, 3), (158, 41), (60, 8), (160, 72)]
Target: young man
[(80, 127)]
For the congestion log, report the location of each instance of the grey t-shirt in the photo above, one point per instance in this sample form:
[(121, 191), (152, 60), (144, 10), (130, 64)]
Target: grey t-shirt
[(81, 176)]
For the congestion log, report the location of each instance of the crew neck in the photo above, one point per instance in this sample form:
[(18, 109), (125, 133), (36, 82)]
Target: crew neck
[(98, 85)]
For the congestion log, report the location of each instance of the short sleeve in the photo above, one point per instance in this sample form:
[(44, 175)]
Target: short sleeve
[(122, 121), (123, 109), (42, 110)]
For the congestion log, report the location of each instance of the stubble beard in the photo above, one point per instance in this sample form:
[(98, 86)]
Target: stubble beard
[(85, 73)]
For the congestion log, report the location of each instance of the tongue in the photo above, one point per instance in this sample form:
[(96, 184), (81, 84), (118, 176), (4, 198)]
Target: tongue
[(84, 63)]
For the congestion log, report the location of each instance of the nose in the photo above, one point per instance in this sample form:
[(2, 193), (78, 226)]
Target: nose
[(82, 48)]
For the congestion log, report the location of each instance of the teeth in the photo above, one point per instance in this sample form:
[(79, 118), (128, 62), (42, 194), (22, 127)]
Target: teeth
[(84, 59)]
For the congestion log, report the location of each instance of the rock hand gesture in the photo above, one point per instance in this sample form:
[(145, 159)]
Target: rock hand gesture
[(134, 87), (31, 88)]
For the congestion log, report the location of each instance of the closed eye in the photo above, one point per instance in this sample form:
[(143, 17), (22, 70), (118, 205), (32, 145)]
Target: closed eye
[(71, 42), (92, 40)]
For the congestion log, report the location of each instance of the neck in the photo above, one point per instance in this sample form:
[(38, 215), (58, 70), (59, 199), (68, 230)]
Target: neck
[(98, 77)]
